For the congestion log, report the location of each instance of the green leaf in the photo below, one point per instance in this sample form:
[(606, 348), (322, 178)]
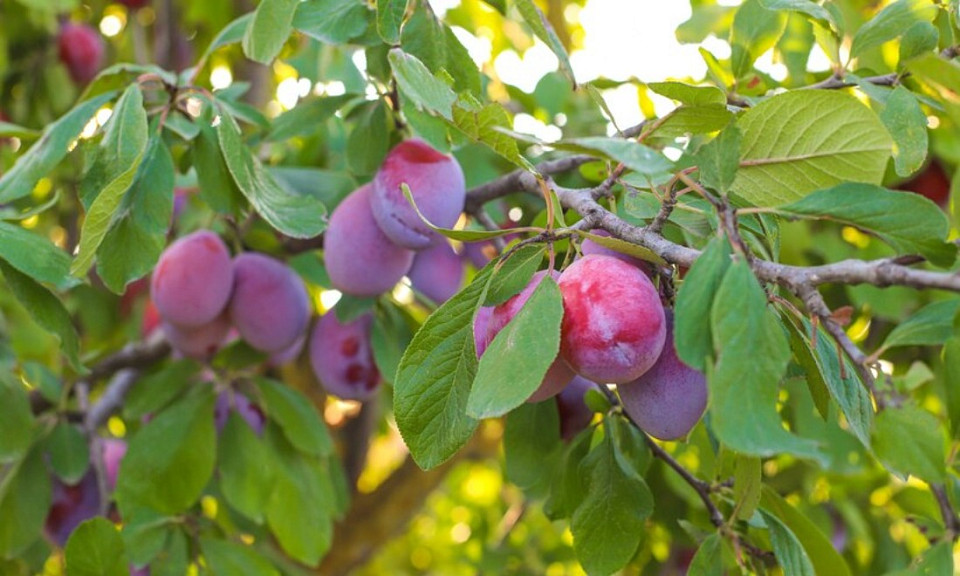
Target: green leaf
[(390, 335), (806, 140), (819, 549), (754, 31), (426, 90), (301, 505), (908, 222), (117, 163), (369, 141), (155, 391), (171, 459), (175, 559), (635, 156), (138, 234), (390, 18), (16, 426), (907, 123), (24, 501), (624, 247), (46, 310), (923, 456), (145, 534), (567, 486), (297, 417), (434, 43), (951, 368), (518, 358), (52, 147), (69, 453), (231, 34), (935, 561), (544, 31), (689, 95), (332, 21), (891, 22), (513, 274), (9, 130), (790, 554), (295, 216), (921, 38), (609, 524), (747, 482), (822, 365), (708, 561), (719, 160), (530, 438), (693, 338), (932, 325), (435, 375), (752, 352), (246, 472), (269, 29), (216, 185), (226, 558), (96, 549), (486, 126), (808, 7), (687, 120), (306, 116)]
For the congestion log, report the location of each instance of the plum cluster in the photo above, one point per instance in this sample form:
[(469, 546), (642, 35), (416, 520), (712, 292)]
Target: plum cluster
[(615, 330), (201, 293), (376, 226)]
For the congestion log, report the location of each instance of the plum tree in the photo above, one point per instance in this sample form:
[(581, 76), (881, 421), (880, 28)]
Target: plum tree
[(613, 322), (198, 342), (81, 50), (232, 401), (71, 505), (269, 305), (575, 415), (193, 280), (353, 236), (669, 399), (559, 373), (437, 272), (436, 183), (342, 358)]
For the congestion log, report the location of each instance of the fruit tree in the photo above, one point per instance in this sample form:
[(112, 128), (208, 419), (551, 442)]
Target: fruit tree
[(408, 286)]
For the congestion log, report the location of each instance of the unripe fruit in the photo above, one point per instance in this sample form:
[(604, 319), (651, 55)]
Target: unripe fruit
[(243, 406), (269, 307), (71, 505), (667, 401), (438, 188), (558, 374), (193, 280), (613, 322), (114, 449), (437, 272), (342, 358), (575, 416), (81, 51), (359, 257), (201, 342)]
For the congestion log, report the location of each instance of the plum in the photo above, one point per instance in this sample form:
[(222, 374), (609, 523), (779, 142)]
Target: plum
[(342, 358), (589, 247), (437, 272), (201, 342), (359, 257), (931, 182), (290, 353), (71, 505), (575, 416), (558, 374), (114, 449), (480, 324), (239, 403), (669, 399), (613, 321), (269, 307), (134, 4), (192, 282), (81, 50), (437, 184)]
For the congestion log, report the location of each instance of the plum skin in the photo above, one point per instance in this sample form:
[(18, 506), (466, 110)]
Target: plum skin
[(669, 400), (269, 307), (201, 342), (613, 326), (114, 449), (71, 505), (81, 50), (193, 280), (353, 237), (438, 187), (437, 272), (342, 358), (574, 413), (558, 374), (236, 402)]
